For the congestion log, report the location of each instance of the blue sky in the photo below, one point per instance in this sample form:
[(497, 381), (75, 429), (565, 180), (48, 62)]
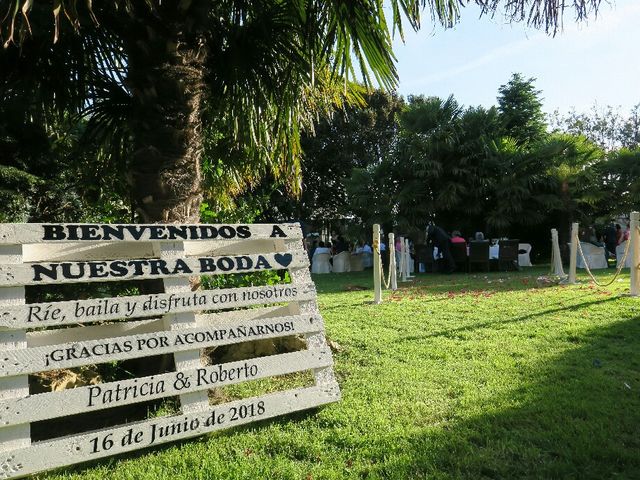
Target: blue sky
[(594, 62)]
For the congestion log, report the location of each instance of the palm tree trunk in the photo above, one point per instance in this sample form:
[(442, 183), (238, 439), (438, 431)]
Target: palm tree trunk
[(167, 85)]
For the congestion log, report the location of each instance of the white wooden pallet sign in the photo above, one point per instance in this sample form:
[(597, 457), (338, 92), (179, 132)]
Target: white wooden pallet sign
[(179, 322)]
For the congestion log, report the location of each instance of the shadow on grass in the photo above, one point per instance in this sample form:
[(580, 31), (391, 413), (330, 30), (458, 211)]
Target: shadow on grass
[(580, 419), (490, 324)]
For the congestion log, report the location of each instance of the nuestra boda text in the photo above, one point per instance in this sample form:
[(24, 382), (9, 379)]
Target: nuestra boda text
[(118, 269)]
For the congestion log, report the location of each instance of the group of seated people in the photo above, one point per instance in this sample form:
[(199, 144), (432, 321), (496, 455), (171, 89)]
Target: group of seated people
[(336, 246), (446, 251), (610, 237), (599, 247), (453, 252), (338, 255)]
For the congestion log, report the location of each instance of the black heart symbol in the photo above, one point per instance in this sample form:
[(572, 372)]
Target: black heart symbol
[(283, 259)]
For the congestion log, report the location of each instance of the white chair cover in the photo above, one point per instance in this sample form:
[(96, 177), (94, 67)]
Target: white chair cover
[(524, 259), (398, 261), (342, 262), (367, 259), (412, 264), (320, 263), (620, 253), (356, 262), (594, 256)]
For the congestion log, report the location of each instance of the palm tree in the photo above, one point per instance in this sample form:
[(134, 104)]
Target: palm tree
[(159, 73)]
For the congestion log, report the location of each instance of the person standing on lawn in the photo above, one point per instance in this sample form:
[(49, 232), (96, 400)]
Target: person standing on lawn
[(610, 239), (441, 240), (619, 234), (627, 233)]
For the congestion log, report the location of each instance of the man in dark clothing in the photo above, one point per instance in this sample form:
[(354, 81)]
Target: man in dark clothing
[(341, 245), (441, 239), (610, 238)]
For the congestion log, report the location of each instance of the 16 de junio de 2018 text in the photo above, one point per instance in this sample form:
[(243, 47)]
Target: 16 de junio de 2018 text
[(163, 431)]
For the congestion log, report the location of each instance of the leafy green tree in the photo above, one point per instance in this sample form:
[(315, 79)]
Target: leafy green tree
[(606, 126), (612, 188), (551, 182), (163, 69), (153, 75), (358, 136), (427, 172), (438, 169), (619, 184), (458, 168), (630, 130), (50, 175), (520, 108), (373, 196), (480, 129), (354, 136)]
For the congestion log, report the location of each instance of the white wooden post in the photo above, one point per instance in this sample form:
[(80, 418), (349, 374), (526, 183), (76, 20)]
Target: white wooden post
[(403, 262), (399, 265), (407, 258), (634, 238), (392, 263), (557, 259), (377, 265), (574, 253)]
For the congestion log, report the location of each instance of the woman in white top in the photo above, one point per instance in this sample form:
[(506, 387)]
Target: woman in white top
[(321, 249)]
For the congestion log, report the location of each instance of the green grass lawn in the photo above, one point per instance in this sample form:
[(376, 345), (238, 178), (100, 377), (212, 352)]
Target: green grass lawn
[(462, 376)]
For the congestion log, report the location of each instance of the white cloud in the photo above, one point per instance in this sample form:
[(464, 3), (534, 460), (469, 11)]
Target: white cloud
[(486, 59)]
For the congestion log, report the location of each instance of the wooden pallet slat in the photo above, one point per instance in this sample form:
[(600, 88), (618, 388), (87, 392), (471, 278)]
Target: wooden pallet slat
[(25, 233), (75, 354), (144, 268), (49, 405), (316, 340), (49, 314), (134, 436)]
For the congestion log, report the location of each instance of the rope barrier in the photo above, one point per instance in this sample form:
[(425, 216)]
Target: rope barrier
[(387, 282), (618, 269)]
